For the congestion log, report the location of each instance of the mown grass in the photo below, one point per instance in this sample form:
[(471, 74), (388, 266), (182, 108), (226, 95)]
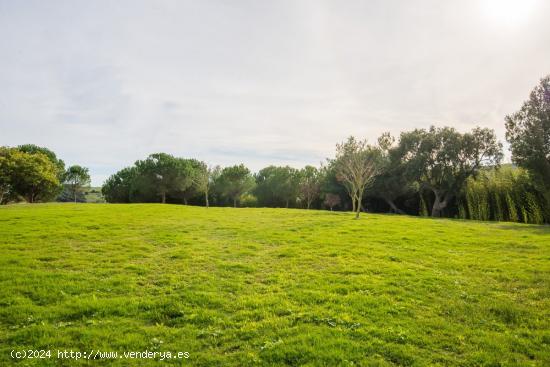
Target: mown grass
[(272, 287)]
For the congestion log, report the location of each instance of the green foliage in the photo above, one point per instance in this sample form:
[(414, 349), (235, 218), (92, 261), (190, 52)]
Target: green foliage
[(248, 201), (165, 174), (118, 187), (235, 181), (160, 177), (32, 176), (33, 149), (505, 194), (528, 131), (279, 186), (356, 165), (309, 185), (391, 182), (76, 179), (271, 287), (442, 159)]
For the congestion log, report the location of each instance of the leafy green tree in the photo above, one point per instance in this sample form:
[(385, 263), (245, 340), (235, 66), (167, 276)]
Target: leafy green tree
[(391, 183), (202, 180), (32, 149), (442, 159), (357, 164), (164, 174), (528, 132), (7, 171), (118, 187), (277, 186), (309, 184), (31, 175), (191, 170), (76, 178), (235, 181)]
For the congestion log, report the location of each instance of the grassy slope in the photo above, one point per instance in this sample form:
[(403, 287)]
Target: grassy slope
[(272, 286)]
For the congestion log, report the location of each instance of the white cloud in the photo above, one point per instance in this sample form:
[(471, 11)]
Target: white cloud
[(105, 83)]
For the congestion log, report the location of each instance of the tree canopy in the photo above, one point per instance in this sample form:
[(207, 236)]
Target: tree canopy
[(76, 178), (528, 132)]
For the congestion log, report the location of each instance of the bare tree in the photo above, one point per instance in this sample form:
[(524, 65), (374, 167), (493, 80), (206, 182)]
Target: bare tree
[(310, 184), (332, 200), (357, 164)]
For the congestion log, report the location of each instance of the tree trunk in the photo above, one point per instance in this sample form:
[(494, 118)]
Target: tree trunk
[(286, 203), (440, 203), (393, 206), (184, 200), (234, 202), (308, 204), (74, 193), (164, 198), (353, 203), (206, 200), (359, 199)]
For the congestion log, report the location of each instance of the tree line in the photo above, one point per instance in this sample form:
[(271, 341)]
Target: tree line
[(436, 172)]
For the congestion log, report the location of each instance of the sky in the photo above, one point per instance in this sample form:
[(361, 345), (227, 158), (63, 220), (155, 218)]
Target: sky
[(104, 83)]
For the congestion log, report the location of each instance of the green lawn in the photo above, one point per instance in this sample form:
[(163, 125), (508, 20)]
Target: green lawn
[(271, 287)]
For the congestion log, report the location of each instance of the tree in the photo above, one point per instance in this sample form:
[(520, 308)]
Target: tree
[(332, 200), (32, 149), (391, 182), (117, 187), (190, 169), (76, 177), (528, 132), (202, 180), (309, 186), (165, 174), (329, 183), (7, 191), (357, 164), (235, 181), (30, 175), (442, 159), (277, 186)]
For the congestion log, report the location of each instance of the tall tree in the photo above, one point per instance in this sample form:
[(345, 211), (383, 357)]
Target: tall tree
[(391, 182), (76, 178), (277, 186), (310, 183), (117, 187), (7, 191), (32, 149), (357, 164), (528, 132), (165, 173), (441, 159), (203, 180), (235, 181), (30, 175), (190, 170)]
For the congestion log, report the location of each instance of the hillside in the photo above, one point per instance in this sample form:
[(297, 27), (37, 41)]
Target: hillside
[(271, 286)]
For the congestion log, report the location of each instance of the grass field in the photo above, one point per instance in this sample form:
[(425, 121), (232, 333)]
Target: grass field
[(271, 287)]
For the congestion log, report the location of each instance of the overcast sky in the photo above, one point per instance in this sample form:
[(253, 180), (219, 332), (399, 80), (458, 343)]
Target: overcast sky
[(103, 83)]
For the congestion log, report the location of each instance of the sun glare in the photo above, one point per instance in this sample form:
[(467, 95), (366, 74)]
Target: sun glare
[(510, 13)]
